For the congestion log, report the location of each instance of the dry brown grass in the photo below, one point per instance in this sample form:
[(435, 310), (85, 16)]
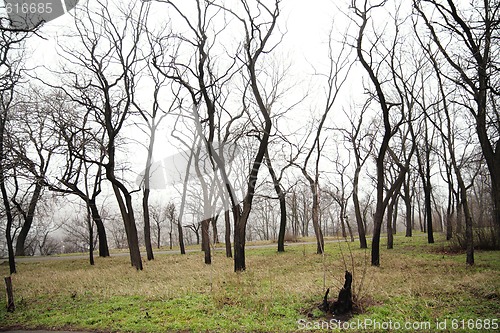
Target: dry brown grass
[(414, 282)]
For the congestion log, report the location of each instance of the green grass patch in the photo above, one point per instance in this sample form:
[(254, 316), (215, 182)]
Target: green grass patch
[(416, 283)]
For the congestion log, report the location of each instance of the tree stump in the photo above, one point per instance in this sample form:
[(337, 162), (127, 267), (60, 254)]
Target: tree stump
[(10, 295), (344, 302)]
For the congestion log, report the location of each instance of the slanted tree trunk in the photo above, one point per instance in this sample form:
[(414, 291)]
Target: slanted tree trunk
[(282, 201), (28, 219), (357, 211), (101, 231), (127, 212)]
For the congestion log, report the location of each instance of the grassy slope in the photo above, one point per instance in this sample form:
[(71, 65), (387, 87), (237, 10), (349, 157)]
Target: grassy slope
[(416, 282)]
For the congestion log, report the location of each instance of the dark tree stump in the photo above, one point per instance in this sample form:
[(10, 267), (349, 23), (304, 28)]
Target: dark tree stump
[(10, 295), (325, 306), (344, 302)]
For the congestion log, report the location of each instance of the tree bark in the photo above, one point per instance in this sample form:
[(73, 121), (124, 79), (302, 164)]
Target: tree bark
[(127, 212), (181, 237), (91, 236), (205, 240), (10, 294), (240, 239), (389, 219), (357, 210), (101, 231), (407, 200), (282, 201), (214, 229), (8, 215), (147, 224), (227, 238)]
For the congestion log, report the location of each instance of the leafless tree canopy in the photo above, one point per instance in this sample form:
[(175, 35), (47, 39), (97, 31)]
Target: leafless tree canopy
[(165, 123)]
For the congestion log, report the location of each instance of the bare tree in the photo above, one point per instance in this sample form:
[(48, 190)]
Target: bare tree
[(10, 73), (373, 66), (109, 91), (257, 32), (159, 213), (171, 217), (81, 176), (341, 194), (472, 30), (448, 134), (361, 140), (152, 119), (34, 144)]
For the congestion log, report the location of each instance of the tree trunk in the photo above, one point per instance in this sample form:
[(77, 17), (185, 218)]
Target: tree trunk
[(10, 219), (227, 238), (214, 229), (10, 294), (320, 242), (239, 240), (282, 201), (428, 209), (342, 225), (349, 229), (422, 225), (409, 214), (395, 215), (158, 236), (390, 235), (147, 224), (28, 220), (127, 212), (91, 236), (377, 226), (305, 220), (495, 190), (101, 231), (357, 211), (468, 223), (205, 240), (181, 237), (5, 197), (197, 234)]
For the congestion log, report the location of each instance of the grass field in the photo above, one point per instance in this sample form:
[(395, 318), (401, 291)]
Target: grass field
[(417, 284)]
